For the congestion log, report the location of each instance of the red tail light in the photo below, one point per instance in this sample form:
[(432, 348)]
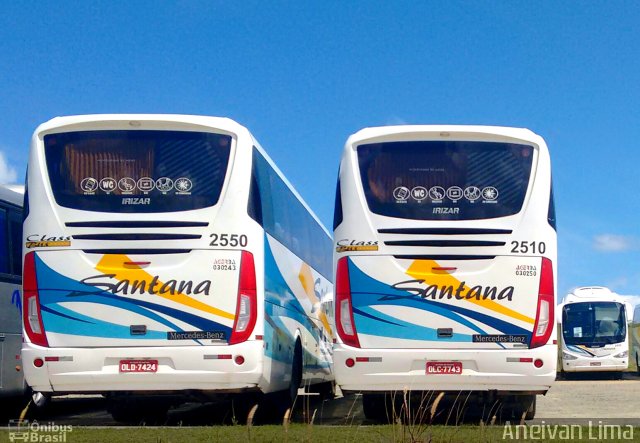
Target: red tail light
[(247, 304), (545, 312), (32, 318), (344, 310)]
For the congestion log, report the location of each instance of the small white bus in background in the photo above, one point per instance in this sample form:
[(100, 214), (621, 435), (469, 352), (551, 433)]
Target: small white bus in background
[(11, 372), (445, 256), (594, 329), (167, 258), (634, 333)]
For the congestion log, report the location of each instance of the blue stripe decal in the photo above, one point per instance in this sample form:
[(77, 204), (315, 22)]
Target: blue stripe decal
[(367, 291), (56, 288), (281, 303), (365, 314), (406, 330), (52, 311)]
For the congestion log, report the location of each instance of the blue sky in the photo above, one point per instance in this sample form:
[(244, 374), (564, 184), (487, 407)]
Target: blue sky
[(303, 76)]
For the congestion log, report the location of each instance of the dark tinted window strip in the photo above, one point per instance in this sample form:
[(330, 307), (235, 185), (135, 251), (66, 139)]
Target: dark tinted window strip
[(9, 278), (551, 213), (337, 212), (444, 231), (286, 219), (445, 257), (444, 243), (137, 251), (133, 237), (137, 224)]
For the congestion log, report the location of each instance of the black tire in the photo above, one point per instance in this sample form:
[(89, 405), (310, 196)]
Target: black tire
[(530, 408), (376, 408), (637, 366), (515, 407), (132, 411), (296, 373)]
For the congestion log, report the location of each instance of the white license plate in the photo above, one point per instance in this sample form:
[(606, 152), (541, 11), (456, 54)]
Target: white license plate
[(595, 363), (444, 367), (138, 365)]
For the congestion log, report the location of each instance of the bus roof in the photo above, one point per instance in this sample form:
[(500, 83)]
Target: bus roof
[(457, 131), (68, 122), (592, 293), (13, 194)]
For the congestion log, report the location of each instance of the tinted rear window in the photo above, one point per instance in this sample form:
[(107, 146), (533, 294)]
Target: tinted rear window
[(436, 180), (137, 171)]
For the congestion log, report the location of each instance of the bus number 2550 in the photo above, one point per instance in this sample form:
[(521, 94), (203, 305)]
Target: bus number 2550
[(232, 240)]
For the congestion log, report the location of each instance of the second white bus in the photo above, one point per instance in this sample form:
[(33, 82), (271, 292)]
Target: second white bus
[(167, 258), (11, 368), (445, 257), (595, 336)]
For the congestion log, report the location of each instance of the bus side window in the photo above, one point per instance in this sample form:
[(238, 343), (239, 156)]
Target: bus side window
[(15, 238), (551, 213), (4, 243), (636, 315), (337, 212)]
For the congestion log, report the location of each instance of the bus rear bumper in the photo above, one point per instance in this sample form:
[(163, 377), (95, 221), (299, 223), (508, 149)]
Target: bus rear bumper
[(595, 365), (511, 371), (97, 370)]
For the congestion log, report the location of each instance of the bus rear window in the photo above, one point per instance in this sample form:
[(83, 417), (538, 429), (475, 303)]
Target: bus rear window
[(137, 171), (439, 180)]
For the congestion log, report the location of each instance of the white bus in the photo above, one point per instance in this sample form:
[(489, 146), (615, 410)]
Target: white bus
[(594, 329), (634, 333), (445, 265), (11, 372), (166, 257)]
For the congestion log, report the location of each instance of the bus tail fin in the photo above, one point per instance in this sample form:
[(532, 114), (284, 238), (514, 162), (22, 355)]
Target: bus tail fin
[(344, 312), (545, 311), (31, 306), (247, 305)]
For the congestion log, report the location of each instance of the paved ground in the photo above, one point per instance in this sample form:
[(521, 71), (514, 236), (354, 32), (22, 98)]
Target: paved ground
[(589, 397), (592, 396)]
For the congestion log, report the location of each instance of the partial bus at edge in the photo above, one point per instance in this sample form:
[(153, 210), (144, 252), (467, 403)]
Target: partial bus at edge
[(446, 263), (11, 371), (594, 331), (166, 259)]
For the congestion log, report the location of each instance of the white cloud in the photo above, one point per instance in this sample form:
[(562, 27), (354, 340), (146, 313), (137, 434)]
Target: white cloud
[(8, 173), (395, 120), (615, 243)]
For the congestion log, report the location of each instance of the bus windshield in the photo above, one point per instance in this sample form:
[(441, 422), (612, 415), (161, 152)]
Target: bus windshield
[(137, 171), (593, 323), (438, 180)]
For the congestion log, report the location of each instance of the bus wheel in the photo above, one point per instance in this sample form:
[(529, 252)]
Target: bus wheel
[(134, 411), (518, 407), (637, 365), (376, 408), (296, 373), (530, 407)]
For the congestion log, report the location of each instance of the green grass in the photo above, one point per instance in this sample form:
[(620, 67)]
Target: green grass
[(278, 434), (302, 433)]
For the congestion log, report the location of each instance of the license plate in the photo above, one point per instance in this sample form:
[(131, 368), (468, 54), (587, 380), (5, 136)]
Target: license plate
[(138, 365), (444, 367), (595, 363)]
